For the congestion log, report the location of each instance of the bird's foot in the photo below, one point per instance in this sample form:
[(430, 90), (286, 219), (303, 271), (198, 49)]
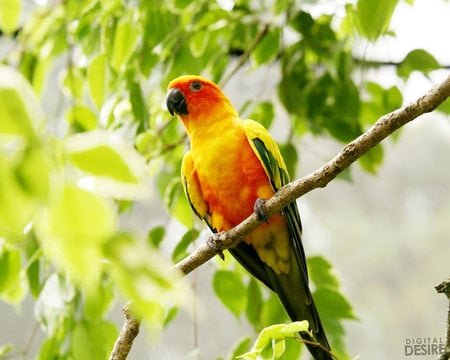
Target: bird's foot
[(214, 242), (260, 210)]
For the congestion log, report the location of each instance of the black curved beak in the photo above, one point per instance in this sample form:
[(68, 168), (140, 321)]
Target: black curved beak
[(176, 102)]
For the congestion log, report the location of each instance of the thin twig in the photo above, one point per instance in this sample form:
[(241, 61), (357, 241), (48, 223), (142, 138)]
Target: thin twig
[(444, 288), (384, 127), (128, 333), (245, 55)]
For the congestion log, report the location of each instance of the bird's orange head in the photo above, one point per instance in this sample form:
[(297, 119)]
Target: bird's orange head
[(196, 99)]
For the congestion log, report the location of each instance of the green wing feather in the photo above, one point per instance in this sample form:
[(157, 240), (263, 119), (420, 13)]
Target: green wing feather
[(292, 289), (268, 153)]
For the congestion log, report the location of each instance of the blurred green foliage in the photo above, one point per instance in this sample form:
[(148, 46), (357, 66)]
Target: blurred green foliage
[(63, 188)]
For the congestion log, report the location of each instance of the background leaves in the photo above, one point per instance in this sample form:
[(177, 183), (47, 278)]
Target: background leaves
[(72, 173)]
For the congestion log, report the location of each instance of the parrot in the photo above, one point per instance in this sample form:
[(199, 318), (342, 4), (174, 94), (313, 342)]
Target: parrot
[(231, 168)]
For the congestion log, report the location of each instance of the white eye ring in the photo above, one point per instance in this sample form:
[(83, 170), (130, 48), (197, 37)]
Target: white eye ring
[(196, 86)]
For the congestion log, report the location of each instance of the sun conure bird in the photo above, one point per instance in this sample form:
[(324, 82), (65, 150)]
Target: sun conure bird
[(233, 163)]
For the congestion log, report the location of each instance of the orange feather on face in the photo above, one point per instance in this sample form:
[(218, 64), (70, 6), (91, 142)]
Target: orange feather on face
[(231, 164)]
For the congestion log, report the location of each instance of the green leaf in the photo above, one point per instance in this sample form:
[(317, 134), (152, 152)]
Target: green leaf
[(176, 201), (344, 65), (240, 347), (254, 302), (148, 143), (99, 302), (199, 42), (303, 23), (138, 103), (181, 4), (82, 118), (111, 166), (295, 327), (10, 11), (21, 111), (96, 76), (16, 207), (5, 349), (272, 312), (293, 349), (331, 304), (280, 6), (33, 275), (33, 174), (126, 39), (269, 333), (230, 289), (392, 99), (170, 315), (278, 348), (374, 17), (156, 235), (149, 61), (333, 308), (72, 232), (24, 179), (372, 160), (268, 48), (217, 66), (266, 348), (263, 113), (180, 251), (290, 156), (73, 82), (93, 339), (445, 107), (143, 276), (10, 265), (345, 175), (51, 348), (382, 101), (417, 60), (321, 272), (95, 153)]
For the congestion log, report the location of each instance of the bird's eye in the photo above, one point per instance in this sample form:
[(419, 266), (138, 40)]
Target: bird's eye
[(196, 86)]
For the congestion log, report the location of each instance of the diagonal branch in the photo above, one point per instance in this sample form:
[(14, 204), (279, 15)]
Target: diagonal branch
[(384, 127), (129, 331), (245, 55)]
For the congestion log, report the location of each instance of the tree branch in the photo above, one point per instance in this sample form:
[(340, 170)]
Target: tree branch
[(245, 55), (384, 127), (128, 333), (444, 288)]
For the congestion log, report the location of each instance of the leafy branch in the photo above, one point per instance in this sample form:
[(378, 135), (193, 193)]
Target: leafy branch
[(382, 128), (245, 54)]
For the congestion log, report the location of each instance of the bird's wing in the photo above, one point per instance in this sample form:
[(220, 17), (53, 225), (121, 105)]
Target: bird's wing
[(268, 153), (192, 189), (292, 289)]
